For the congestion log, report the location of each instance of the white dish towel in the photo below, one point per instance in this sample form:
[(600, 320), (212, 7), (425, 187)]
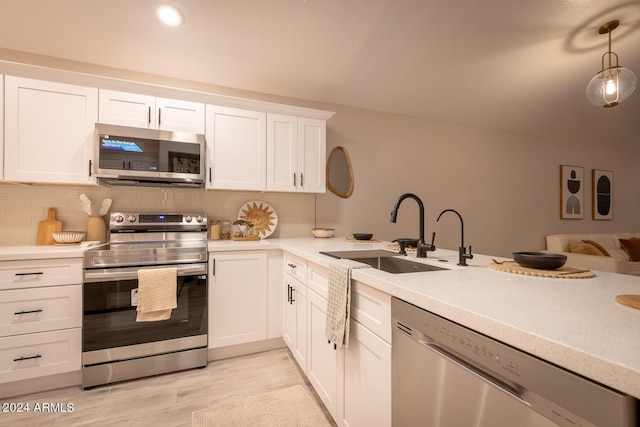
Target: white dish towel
[(156, 293), (339, 301)]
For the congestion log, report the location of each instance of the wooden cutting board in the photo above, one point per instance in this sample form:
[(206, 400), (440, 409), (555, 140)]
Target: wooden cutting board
[(629, 300), (47, 227)]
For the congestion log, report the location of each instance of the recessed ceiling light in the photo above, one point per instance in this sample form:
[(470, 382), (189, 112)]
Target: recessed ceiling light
[(170, 15)]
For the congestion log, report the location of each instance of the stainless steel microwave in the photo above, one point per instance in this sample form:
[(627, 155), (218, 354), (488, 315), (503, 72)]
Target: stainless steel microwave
[(148, 157)]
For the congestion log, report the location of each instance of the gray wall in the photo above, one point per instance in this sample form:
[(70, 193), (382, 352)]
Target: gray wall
[(507, 187)]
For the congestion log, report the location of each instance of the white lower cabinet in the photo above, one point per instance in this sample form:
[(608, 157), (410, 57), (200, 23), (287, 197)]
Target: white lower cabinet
[(40, 318), (237, 297), (367, 379), (354, 383), (29, 356), (323, 358), (295, 319)]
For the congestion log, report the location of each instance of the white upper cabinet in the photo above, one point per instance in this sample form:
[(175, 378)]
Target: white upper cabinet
[(296, 154), (236, 148), (144, 111), (1, 128), (49, 131)]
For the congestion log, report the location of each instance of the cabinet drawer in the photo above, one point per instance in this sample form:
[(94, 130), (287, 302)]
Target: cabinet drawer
[(318, 280), (33, 355), (25, 311), (297, 267), (371, 308), (37, 273)]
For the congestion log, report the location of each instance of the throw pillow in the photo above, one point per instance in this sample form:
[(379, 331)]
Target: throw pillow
[(584, 249), (632, 246), (599, 246)]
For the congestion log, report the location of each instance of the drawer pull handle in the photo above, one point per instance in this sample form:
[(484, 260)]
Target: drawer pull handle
[(20, 359), (36, 273), (18, 313), (292, 265)]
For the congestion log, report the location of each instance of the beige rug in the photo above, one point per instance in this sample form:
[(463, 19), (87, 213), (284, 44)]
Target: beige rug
[(292, 406)]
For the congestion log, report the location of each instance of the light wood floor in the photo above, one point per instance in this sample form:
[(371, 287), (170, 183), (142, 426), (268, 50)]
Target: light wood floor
[(165, 400)]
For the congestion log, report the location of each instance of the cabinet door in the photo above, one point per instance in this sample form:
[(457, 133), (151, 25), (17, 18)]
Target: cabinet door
[(295, 322), (312, 141), (367, 378), (1, 128), (49, 131), (236, 148), (127, 109), (180, 116), (237, 298), (24, 311), (322, 357), (37, 355), (282, 153)]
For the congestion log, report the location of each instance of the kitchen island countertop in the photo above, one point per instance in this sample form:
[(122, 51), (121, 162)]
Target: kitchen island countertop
[(573, 323)]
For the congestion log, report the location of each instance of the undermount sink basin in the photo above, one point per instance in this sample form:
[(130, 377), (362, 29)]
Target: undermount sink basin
[(385, 261)]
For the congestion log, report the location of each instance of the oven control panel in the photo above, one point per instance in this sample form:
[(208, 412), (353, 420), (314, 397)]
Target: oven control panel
[(119, 219)]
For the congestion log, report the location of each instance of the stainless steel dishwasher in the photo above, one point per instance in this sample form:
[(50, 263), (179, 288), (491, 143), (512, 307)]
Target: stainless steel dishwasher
[(445, 375)]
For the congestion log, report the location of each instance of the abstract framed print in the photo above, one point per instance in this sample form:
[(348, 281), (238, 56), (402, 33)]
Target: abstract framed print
[(571, 192), (602, 200)]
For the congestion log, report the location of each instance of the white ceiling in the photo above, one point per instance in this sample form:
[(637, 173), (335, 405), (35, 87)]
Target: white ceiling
[(514, 66)]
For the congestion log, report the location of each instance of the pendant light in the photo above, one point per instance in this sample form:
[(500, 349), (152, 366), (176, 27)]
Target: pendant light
[(613, 84)]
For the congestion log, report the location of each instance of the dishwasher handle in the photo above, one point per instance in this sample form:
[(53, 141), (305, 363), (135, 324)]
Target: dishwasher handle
[(472, 369)]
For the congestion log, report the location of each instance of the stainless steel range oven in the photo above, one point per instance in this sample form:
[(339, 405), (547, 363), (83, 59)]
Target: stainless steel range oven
[(116, 347)]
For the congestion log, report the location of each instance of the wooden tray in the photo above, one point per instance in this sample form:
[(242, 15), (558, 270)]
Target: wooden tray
[(632, 301), (246, 239)]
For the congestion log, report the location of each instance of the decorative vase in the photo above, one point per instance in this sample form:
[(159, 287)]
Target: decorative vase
[(96, 229)]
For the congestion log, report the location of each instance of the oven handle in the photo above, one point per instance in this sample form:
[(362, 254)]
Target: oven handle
[(131, 273)]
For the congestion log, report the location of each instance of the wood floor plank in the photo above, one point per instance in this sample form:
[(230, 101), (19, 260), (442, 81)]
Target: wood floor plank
[(164, 400)]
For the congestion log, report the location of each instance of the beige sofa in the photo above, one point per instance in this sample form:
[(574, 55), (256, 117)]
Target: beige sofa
[(579, 248)]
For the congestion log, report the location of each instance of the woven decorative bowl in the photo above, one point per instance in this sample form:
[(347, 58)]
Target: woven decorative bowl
[(68, 236), (322, 232)]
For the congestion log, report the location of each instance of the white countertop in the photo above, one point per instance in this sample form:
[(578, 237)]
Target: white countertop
[(573, 323), (19, 253)]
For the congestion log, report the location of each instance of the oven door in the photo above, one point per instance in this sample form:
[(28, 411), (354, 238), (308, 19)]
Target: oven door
[(109, 309)]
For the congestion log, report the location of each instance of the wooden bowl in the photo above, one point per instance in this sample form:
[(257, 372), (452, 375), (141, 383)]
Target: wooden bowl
[(540, 260)]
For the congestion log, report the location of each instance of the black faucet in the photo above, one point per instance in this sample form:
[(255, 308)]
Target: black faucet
[(463, 256), (421, 247)]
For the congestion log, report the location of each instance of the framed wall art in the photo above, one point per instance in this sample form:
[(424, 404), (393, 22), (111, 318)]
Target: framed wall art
[(571, 192), (602, 200)]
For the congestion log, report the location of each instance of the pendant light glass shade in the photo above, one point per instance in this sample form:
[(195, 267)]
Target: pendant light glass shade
[(613, 84)]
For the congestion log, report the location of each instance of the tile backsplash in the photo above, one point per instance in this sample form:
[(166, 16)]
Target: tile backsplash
[(22, 207)]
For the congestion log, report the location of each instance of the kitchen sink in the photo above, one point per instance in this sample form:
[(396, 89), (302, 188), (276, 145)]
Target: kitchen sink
[(385, 261)]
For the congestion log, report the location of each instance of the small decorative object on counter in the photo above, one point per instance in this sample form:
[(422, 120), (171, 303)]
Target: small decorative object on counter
[(244, 230), (322, 232), (214, 229), (97, 228), (225, 230)]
